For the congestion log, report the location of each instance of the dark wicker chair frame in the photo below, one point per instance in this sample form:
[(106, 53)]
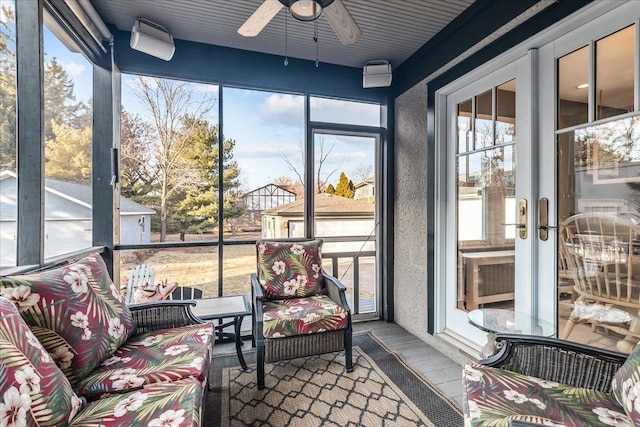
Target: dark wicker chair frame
[(272, 350), (166, 314), (557, 360)]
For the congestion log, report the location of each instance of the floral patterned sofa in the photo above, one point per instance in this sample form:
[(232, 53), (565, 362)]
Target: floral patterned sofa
[(73, 354), (546, 381)]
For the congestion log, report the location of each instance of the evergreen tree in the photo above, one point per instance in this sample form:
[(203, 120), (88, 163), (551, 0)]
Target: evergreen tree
[(7, 90), (68, 134), (199, 208), (344, 187), (69, 146), (60, 103), (330, 189)]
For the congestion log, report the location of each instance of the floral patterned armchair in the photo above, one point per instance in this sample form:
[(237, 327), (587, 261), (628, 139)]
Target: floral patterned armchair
[(298, 309), (537, 381)]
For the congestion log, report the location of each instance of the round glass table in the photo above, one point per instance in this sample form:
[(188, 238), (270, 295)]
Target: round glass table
[(498, 320)]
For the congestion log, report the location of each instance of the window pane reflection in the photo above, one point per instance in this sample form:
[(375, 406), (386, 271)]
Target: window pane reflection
[(68, 120), (573, 88), (464, 126), (486, 202), (483, 121), (599, 169), (486, 199), (598, 173), (506, 112), (615, 57)]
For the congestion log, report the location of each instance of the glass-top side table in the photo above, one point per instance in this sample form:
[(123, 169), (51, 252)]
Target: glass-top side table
[(497, 320), (234, 307)]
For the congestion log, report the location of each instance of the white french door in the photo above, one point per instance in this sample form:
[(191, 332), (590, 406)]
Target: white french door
[(489, 214), (496, 155), (589, 97)]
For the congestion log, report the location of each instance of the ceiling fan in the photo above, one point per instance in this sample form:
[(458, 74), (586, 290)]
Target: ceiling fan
[(334, 11)]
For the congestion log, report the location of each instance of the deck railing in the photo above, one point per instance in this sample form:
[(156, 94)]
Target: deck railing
[(359, 303)]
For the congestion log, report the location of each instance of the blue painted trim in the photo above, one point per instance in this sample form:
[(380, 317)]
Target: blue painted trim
[(478, 21), (234, 67)]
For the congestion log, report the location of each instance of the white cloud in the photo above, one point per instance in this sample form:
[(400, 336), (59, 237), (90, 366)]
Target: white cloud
[(267, 150), (283, 109), (206, 88), (73, 68), (339, 111)]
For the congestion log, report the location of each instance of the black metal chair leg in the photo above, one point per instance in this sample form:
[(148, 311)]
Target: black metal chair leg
[(237, 322), (348, 353), (260, 365)]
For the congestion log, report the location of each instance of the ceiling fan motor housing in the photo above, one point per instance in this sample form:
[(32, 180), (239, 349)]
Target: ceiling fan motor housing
[(306, 10)]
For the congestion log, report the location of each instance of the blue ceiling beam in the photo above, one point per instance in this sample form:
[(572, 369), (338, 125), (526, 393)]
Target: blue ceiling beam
[(234, 67)]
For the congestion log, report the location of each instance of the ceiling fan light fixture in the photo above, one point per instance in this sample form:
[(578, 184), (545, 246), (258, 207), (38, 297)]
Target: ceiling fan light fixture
[(306, 10)]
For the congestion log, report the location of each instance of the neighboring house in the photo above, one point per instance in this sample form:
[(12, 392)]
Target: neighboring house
[(365, 190), (67, 212), (267, 197), (334, 216)]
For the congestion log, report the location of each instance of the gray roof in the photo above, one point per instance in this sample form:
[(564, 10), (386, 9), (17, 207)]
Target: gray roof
[(62, 199), (325, 205)]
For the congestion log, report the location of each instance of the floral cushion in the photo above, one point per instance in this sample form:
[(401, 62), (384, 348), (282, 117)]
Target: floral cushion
[(290, 269), (626, 385), (33, 391), (152, 357), (300, 316), (88, 323), (494, 396), (160, 405)]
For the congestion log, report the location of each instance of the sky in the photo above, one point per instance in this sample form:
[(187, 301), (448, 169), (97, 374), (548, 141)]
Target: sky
[(268, 127)]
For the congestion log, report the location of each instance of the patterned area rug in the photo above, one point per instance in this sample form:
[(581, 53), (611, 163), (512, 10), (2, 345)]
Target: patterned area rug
[(383, 390)]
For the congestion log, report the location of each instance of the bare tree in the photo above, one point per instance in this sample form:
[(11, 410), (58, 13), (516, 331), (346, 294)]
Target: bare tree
[(362, 173), (168, 102), (283, 181), (324, 150), (296, 186), (137, 173), (296, 167)]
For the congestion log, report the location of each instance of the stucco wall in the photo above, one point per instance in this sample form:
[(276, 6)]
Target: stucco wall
[(410, 277)]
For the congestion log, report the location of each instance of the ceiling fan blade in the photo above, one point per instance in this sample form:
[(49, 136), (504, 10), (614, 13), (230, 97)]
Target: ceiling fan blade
[(342, 22), (260, 18)]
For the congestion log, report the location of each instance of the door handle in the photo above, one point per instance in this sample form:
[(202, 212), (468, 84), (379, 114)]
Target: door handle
[(522, 219), (543, 220)]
